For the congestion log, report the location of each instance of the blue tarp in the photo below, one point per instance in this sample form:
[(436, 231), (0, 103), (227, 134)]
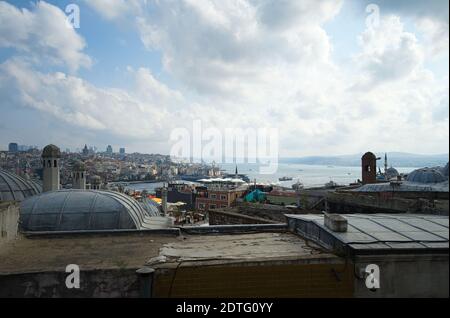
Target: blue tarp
[(255, 196)]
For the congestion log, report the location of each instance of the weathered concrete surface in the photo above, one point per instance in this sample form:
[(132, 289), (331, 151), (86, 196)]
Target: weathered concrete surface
[(406, 276), (9, 218), (239, 247), (36, 267), (249, 265), (89, 252)]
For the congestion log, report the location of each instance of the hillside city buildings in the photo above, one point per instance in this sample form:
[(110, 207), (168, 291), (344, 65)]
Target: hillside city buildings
[(217, 236)]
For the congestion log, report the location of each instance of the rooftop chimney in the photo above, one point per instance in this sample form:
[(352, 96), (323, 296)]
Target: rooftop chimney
[(336, 222)]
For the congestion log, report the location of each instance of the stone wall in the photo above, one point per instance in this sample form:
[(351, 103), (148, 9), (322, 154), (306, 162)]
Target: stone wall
[(266, 211), (341, 202), (260, 279), (222, 217), (114, 283), (406, 276), (9, 220)]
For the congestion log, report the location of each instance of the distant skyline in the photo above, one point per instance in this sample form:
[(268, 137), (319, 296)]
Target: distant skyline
[(331, 82)]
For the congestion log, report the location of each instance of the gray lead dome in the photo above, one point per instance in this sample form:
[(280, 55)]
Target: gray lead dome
[(81, 210), (16, 188), (426, 175)]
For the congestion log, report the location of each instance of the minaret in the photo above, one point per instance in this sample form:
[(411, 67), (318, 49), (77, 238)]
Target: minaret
[(96, 182), (164, 199), (236, 174), (79, 176), (369, 168), (50, 164), (385, 164)]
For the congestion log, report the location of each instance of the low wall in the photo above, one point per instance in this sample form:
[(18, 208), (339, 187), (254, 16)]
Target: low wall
[(220, 217), (341, 202), (411, 276), (114, 283), (259, 279)]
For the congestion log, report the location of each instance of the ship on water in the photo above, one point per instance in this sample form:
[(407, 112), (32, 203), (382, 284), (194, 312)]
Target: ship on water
[(285, 179)]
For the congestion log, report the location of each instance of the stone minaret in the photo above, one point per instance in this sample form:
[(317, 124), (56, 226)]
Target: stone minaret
[(79, 176), (369, 168), (96, 183), (50, 163), (164, 199)]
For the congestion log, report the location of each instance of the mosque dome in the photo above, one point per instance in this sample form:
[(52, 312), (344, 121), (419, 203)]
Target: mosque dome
[(426, 175), (81, 210), (51, 151), (391, 173), (16, 188)]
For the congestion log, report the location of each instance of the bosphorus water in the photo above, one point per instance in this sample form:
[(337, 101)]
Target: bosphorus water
[(309, 175)]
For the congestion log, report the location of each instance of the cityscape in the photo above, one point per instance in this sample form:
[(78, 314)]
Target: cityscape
[(224, 150)]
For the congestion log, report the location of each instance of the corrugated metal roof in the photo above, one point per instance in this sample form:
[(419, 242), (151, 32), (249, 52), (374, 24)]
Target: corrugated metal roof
[(388, 232)]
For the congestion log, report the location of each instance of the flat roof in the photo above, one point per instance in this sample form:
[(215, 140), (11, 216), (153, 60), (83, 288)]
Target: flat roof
[(128, 251), (377, 232), (89, 252), (238, 247)]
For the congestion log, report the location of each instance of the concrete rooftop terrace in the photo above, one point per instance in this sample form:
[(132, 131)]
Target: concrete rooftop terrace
[(134, 250)]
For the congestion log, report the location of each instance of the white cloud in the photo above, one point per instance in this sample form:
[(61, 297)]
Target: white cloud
[(80, 104), (116, 9), (42, 35), (249, 63), (229, 47), (389, 52)]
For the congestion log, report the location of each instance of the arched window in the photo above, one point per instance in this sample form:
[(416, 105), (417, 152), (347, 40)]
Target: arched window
[(55, 163), (82, 175), (49, 164)]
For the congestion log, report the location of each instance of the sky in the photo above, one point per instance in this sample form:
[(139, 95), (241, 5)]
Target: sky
[(332, 76)]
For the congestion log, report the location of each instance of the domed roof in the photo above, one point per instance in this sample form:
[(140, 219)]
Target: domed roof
[(79, 166), (426, 175), (369, 155), (16, 188), (51, 151), (81, 210), (391, 173)]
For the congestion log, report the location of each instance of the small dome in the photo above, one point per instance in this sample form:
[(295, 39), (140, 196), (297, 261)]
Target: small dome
[(369, 155), (51, 151), (79, 166), (426, 175), (16, 188), (391, 173), (81, 210)]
